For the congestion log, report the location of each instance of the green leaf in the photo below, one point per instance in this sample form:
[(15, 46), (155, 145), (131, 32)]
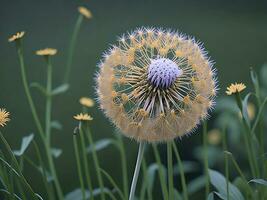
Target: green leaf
[(24, 145), (259, 181), (56, 152), (8, 195), (177, 195), (77, 194), (39, 87), (60, 89), (56, 125), (245, 108), (100, 145), (151, 172), (210, 196), (196, 184), (219, 182), (188, 166)]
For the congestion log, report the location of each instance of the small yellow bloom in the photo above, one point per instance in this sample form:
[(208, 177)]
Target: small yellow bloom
[(46, 52), (214, 137), (85, 12), (83, 117), (4, 117), (16, 36), (234, 88), (88, 102)]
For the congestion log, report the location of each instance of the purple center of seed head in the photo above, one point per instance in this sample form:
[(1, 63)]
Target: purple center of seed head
[(162, 72)]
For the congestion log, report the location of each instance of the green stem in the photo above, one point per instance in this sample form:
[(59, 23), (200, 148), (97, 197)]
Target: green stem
[(248, 138), (48, 111), (206, 161), (137, 169), (27, 90), (86, 166), (170, 170), (124, 167), (185, 193), (161, 173), (78, 161), (96, 162), (72, 46), (226, 166)]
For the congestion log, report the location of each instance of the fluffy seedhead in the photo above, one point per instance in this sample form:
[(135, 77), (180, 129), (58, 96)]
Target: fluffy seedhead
[(156, 85)]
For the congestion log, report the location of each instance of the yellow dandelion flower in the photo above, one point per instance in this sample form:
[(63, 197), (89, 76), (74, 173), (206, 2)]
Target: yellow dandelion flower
[(4, 117), (83, 117), (85, 12), (157, 100), (88, 102), (46, 52), (234, 88), (16, 36), (214, 137)]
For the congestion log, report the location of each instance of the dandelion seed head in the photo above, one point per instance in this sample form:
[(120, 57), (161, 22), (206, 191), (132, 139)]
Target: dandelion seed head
[(4, 117), (156, 85)]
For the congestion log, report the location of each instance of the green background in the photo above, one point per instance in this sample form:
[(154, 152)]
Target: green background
[(234, 34)]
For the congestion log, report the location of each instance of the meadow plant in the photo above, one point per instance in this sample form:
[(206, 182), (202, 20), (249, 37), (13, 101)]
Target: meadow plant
[(156, 86)]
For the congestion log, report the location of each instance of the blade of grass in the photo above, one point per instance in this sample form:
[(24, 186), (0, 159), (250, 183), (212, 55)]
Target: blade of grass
[(184, 186), (226, 166), (206, 161), (170, 170)]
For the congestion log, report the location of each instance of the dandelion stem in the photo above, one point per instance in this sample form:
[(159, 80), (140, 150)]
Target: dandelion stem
[(78, 161), (72, 46), (170, 170), (185, 193), (96, 162), (27, 90), (137, 169), (86, 166), (48, 110), (206, 161)]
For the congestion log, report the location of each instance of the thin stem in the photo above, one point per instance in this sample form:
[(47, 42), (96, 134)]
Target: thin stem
[(78, 161), (137, 169), (161, 173), (96, 162), (86, 166), (124, 167), (226, 165), (72, 46), (48, 111), (170, 170), (27, 90), (206, 161), (181, 167)]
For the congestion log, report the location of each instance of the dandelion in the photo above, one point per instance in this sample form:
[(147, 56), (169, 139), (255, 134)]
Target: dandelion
[(85, 12), (4, 117), (16, 36), (83, 117), (156, 85), (46, 52), (235, 88), (88, 102)]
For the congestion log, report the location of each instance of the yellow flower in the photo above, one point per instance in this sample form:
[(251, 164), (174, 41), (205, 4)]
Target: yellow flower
[(46, 52), (234, 88), (214, 137), (85, 12), (88, 102), (83, 117), (16, 36), (4, 117)]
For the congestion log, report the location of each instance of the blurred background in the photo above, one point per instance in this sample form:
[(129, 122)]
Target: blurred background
[(233, 32)]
